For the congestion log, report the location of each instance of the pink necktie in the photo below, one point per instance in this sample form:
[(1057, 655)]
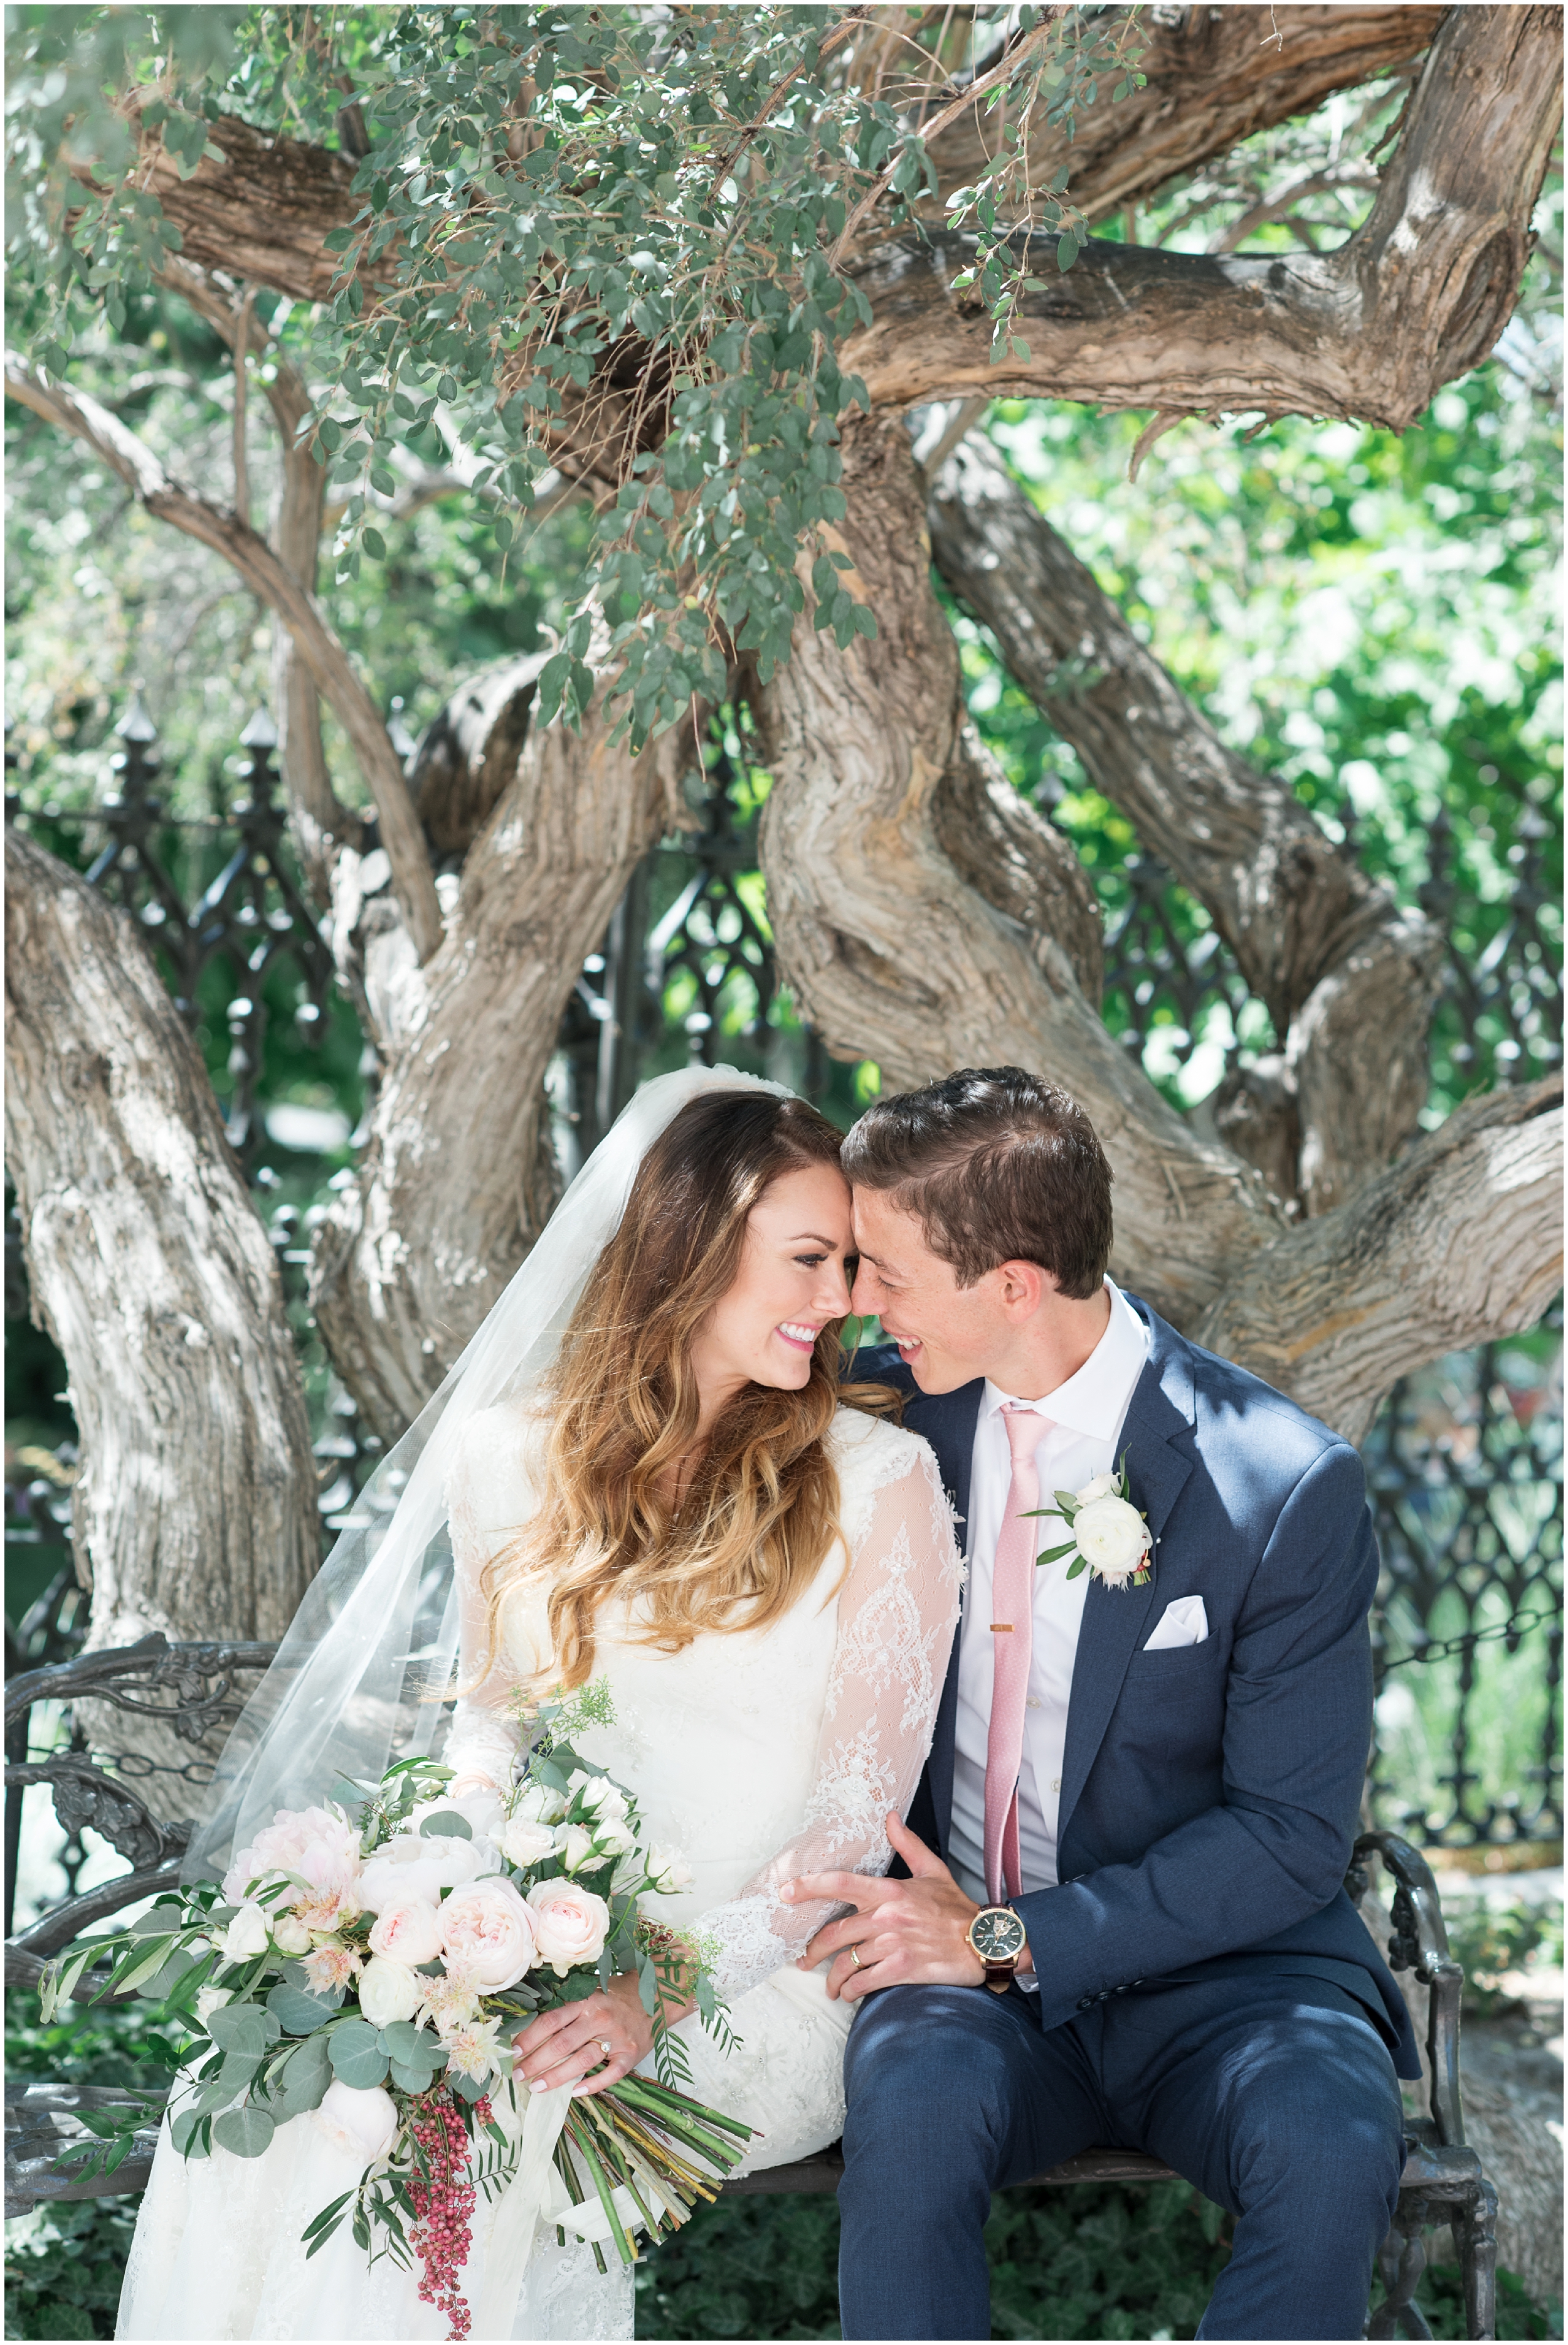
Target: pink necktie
[(1012, 1627)]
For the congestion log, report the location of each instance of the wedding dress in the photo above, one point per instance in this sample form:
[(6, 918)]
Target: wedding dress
[(758, 1755)]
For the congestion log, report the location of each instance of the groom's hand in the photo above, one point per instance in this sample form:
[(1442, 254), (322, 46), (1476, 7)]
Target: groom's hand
[(911, 1932)]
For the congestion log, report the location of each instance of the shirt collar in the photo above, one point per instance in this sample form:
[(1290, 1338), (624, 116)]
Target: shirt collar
[(1094, 1401)]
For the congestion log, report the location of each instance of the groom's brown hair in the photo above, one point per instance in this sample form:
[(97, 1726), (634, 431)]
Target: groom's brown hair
[(1000, 1167)]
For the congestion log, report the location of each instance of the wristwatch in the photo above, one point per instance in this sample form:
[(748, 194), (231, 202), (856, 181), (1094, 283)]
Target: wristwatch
[(998, 1938)]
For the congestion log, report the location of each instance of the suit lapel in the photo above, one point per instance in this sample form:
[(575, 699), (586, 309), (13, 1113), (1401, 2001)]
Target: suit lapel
[(947, 1421), (1156, 1442)]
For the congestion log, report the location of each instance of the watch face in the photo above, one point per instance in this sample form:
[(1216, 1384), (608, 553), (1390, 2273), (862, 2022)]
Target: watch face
[(996, 1936)]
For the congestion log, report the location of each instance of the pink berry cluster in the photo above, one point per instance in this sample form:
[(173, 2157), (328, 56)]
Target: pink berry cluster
[(443, 2205)]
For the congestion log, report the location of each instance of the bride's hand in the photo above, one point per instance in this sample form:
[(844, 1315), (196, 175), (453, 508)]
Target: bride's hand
[(607, 2033)]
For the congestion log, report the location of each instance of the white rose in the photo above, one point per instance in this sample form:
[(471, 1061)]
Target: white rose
[(1114, 1536), (614, 1839), (524, 1843), (364, 2122), (291, 1936), (570, 1924), (409, 1933), (538, 1804), (209, 1999), (669, 1871), (576, 1845), (599, 1796), (1104, 1486), (247, 1935), (388, 1991)]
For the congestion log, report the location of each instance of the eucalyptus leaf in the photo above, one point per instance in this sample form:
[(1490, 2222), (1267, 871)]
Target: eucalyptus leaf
[(356, 2053), (246, 2132), (297, 2013), (446, 1824), (412, 2080), (241, 2027)]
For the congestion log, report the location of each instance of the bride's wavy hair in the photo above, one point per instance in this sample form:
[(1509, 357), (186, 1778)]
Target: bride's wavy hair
[(762, 1509)]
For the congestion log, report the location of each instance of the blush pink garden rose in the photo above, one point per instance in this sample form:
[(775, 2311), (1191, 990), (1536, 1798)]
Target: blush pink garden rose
[(409, 1933), (321, 1848), (570, 1923), (361, 2119), (488, 1931)]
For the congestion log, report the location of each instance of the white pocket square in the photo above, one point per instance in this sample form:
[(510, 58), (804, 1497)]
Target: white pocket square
[(1185, 1622)]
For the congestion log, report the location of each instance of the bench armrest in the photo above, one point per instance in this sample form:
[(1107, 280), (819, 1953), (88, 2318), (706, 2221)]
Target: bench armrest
[(1419, 1942)]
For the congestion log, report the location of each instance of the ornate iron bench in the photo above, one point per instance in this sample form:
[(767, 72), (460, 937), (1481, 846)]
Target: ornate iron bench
[(1443, 2182)]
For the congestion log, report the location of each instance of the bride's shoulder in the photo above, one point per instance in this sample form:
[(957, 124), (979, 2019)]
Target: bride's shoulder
[(871, 1451), (496, 1464)]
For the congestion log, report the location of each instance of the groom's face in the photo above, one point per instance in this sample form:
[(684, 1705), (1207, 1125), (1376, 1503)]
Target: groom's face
[(947, 1334)]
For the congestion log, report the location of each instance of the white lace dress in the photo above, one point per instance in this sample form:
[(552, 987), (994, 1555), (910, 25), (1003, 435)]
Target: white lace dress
[(758, 1755)]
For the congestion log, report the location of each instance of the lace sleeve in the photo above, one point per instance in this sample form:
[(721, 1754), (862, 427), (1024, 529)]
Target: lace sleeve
[(489, 1493), (896, 1613)]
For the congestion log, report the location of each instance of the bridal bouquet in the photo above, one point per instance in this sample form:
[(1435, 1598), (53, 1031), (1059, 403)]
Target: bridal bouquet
[(371, 1963)]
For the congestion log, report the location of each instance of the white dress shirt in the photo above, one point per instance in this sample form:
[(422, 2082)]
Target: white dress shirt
[(1086, 1414)]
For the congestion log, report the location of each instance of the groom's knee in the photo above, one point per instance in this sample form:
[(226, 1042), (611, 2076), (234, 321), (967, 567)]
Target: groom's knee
[(1326, 2132), (916, 2050)]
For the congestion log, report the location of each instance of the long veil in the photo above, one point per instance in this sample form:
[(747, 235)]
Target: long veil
[(378, 1625)]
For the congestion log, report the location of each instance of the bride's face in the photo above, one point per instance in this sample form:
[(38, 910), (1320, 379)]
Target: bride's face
[(791, 1281)]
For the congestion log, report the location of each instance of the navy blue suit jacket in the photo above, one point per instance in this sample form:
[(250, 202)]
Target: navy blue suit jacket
[(1210, 1793)]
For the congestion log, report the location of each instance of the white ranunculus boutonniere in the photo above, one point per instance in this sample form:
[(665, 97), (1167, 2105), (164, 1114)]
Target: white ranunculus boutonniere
[(1109, 1536)]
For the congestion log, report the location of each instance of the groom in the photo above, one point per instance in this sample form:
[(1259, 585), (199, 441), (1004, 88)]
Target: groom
[(1123, 1919)]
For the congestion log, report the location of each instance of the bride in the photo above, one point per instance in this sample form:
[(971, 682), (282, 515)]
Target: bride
[(643, 1475)]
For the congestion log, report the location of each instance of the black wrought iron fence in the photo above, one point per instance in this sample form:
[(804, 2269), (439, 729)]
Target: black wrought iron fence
[(1465, 1462)]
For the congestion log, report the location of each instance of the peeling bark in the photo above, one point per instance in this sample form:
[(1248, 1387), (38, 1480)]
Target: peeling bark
[(1459, 1242), (468, 756), (891, 956), (1212, 78), (1021, 864), (1417, 296), (195, 1513), (1348, 979)]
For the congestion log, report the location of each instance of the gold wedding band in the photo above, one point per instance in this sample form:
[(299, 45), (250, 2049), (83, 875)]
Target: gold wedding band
[(854, 1957)]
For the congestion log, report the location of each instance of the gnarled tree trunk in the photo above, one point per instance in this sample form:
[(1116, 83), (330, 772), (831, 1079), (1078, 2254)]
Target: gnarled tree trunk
[(195, 1513)]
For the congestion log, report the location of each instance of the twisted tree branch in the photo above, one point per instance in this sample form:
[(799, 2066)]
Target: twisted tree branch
[(1460, 1242), (1348, 979), (265, 574)]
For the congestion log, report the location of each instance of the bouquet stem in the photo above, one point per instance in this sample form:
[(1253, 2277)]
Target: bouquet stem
[(661, 2147)]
